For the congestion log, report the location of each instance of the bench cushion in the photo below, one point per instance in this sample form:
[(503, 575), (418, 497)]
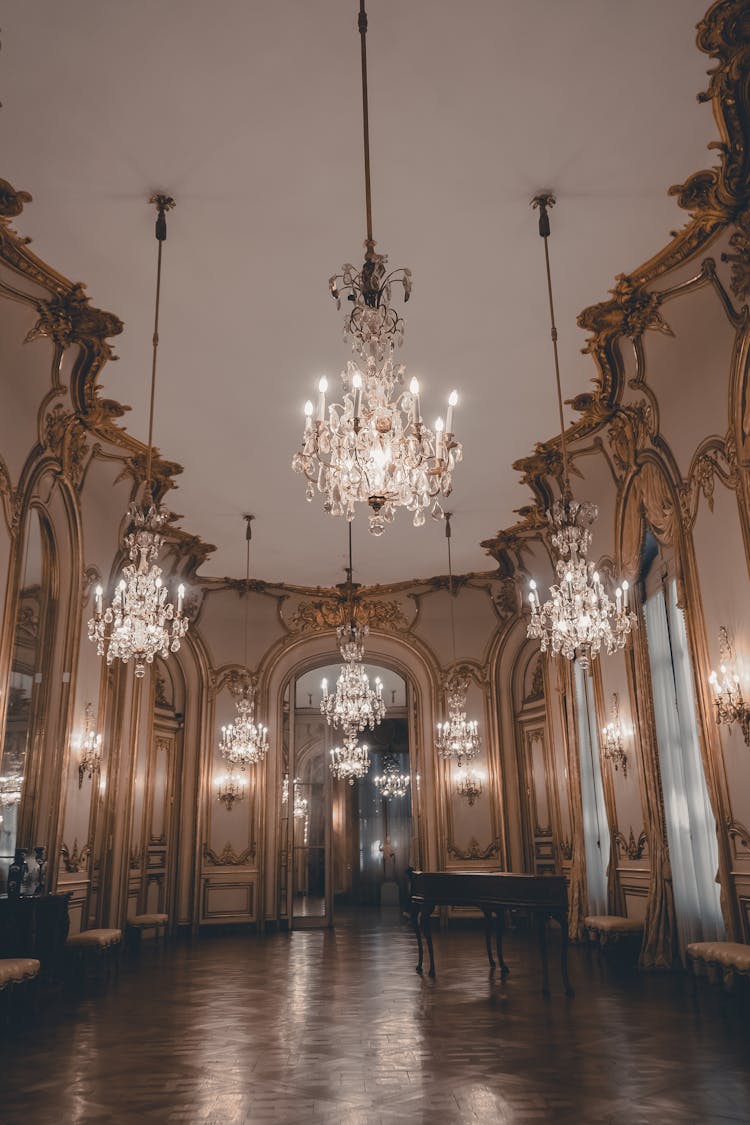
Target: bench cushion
[(613, 924), (94, 939), (14, 970), (730, 954), (144, 921)]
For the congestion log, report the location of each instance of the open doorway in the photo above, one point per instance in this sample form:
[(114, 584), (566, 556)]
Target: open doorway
[(349, 844)]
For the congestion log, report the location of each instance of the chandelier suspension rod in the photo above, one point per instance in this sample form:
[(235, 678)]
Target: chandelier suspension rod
[(362, 25), (350, 580), (248, 536), (543, 201), (163, 203), (448, 536)]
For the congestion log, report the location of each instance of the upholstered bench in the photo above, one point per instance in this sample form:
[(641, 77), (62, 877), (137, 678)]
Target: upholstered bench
[(98, 941), (728, 958), (140, 922), (606, 928), (17, 970)]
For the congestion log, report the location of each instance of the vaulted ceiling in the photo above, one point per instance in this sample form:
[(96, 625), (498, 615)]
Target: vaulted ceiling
[(249, 114)]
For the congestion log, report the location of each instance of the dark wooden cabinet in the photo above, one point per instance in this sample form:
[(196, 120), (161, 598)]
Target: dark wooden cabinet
[(35, 927)]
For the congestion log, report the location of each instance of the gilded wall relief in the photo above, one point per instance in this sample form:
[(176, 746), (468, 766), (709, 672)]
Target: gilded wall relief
[(475, 851), (76, 859), (328, 612), (227, 857), (629, 847)]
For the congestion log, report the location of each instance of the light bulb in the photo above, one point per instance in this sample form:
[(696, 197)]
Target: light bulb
[(453, 398), (308, 409), (323, 384), (357, 380), (414, 385)]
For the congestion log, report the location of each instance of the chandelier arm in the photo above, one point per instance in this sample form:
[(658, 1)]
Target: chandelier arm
[(362, 27), (544, 201)]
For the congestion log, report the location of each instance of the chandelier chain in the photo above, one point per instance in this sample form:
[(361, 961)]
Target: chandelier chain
[(448, 536), (362, 26), (163, 203), (544, 201)]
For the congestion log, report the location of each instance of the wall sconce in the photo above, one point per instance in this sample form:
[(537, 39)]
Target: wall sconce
[(469, 784), (231, 788), (91, 749), (730, 706), (612, 735)]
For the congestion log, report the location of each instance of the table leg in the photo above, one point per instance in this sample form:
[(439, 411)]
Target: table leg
[(488, 936), (542, 930), (424, 915), (418, 932), (504, 970)]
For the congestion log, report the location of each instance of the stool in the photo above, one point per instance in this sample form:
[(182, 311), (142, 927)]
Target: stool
[(607, 928), (140, 922), (100, 944), (725, 958), (17, 972)]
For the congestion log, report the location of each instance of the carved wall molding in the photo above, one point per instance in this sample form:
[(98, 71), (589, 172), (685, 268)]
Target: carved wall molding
[(227, 857), (629, 847), (75, 860), (739, 831), (328, 612), (475, 851)]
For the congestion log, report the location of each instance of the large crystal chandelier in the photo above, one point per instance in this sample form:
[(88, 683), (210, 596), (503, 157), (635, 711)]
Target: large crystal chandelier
[(579, 618), (458, 737), (351, 760), (354, 705), (373, 447), (244, 742), (391, 782), (141, 623)]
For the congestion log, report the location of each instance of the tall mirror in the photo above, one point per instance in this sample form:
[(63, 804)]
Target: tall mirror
[(32, 642)]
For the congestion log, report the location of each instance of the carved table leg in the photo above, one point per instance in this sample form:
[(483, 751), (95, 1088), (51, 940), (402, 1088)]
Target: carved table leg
[(504, 970), (488, 936), (424, 915), (418, 932), (569, 990), (542, 930)]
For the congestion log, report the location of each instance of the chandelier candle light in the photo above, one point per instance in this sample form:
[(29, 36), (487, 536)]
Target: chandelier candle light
[(141, 623), (469, 784), (373, 447), (244, 742), (728, 699), (579, 617), (457, 738), (230, 788)]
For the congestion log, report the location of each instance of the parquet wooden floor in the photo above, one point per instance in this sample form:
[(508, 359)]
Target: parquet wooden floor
[(335, 1026)]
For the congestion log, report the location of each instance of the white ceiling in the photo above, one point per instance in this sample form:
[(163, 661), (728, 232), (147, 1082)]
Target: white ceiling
[(249, 114)]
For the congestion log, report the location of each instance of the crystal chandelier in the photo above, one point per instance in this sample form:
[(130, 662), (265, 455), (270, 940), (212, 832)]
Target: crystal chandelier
[(579, 617), (141, 624), (458, 737), (391, 782), (230, 788), (612, 739), (299, 807), (351, 760), (244, 742), (373, 447), (728, 700), (469, 784), (354, 705), (91, 749)]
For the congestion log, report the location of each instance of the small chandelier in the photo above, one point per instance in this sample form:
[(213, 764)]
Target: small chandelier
[(299, 808), (730, 705), (10, 789), (354, 705), (391, 782), (373, 447), (469, 784), (91, 749), (230, 788), (141, 623), (579, 617), (612, 739), (244, 742), (351, 760), (457, 738)]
